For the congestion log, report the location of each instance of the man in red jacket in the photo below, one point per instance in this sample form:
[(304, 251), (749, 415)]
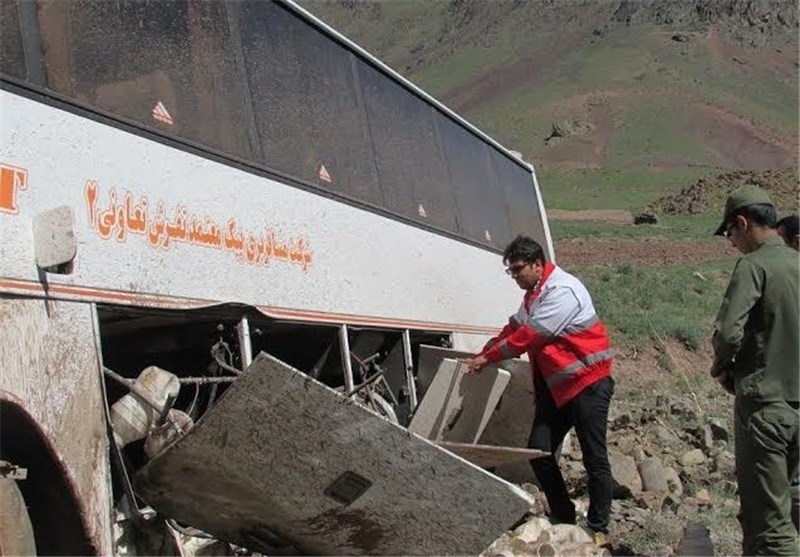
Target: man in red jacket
[(570, 355)]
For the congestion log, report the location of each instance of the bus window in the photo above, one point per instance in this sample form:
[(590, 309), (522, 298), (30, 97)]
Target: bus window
[(307, 109), (481, 202), (167, 65), (407, 152), (517, 184), (12, 57)]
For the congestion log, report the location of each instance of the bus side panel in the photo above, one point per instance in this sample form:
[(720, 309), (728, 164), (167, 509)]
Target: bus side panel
[(152, 221), (49, 365)]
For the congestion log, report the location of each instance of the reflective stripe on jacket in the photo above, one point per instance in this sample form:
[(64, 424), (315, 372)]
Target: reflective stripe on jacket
[(558, 327)]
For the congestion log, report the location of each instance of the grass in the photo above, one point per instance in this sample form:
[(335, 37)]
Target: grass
[(611, 188), (641, 304)]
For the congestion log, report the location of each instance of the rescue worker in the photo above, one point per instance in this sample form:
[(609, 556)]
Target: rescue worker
[(756, 356), (570, 355), (789, 230)]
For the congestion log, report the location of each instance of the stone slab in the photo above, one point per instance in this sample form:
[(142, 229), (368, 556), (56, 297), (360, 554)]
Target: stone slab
[(457, 406), (488, 456), (283, 458)]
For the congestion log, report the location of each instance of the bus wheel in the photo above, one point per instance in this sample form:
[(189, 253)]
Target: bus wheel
[(16, 532)]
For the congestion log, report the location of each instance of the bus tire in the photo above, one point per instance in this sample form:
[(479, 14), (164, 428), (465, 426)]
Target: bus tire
[(16, 532)]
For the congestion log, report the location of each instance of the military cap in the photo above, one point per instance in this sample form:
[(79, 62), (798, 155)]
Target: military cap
[(739, 198)]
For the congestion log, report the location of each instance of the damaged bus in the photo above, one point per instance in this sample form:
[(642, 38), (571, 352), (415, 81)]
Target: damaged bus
[(228, 233)]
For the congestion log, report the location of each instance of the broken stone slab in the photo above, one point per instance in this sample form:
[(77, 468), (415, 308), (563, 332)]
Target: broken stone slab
[(539, 538), (283, 459), (457, 406)]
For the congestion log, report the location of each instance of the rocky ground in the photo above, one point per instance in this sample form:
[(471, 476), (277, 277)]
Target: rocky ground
[(670, 446)]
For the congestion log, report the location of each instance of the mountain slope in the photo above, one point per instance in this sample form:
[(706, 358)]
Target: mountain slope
[(628, 98)]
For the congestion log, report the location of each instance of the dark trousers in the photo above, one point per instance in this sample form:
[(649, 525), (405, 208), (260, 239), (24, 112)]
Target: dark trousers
[(588, 413)]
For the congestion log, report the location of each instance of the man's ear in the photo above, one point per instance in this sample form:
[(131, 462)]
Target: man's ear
[(742, 223)]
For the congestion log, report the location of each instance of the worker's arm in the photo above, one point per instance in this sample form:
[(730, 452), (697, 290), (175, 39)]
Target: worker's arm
[(505, 332), (744, 291), (554, 310)]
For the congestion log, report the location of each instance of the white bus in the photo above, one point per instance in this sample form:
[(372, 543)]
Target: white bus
[(186, 184)]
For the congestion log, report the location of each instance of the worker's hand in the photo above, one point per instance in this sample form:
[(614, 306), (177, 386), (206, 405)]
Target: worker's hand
[(476, 364)]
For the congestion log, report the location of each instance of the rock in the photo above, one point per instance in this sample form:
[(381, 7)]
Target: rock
[(683, 409), (673, 481), (689, 506), (725, 463), (666, 437), (564, 535), (692, 458), (627, 482), (652, 474), (532, 530), (680, 38), (708, 437), (718, 430), (696, 540), (671, 503), (729, 487), (645, 217), (653, 500), (623, 420), (703, 497)]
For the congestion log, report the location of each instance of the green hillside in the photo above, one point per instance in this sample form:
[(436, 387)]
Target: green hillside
[(644, 96)]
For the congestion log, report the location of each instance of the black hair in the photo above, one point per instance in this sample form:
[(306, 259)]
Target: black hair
[(762, 214), (791, 224), (525, 249)]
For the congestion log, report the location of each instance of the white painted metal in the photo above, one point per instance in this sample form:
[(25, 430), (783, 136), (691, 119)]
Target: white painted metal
[(408, 361), (49, 367), (271, 245), (347, 360), (245, 346)]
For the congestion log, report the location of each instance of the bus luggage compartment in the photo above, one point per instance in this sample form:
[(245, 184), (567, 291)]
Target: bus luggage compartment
[(284, 463)]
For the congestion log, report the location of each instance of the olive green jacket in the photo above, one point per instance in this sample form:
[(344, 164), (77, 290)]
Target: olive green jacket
[(756, 338)]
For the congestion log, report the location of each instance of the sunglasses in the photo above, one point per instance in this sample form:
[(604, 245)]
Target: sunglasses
[(516, 269), (729, 229)]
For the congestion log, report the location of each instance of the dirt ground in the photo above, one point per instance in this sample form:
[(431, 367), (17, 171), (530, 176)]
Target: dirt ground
[(651, 251)]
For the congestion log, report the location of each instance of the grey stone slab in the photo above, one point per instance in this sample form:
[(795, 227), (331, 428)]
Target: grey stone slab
[(457, 406), (487, 456), (282, 456), (510, 423)]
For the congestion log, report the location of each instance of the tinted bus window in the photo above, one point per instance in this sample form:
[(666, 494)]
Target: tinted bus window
[(407, 151), (481, 202), (167, 65), (306, 105), (517, 184), (12, 57)]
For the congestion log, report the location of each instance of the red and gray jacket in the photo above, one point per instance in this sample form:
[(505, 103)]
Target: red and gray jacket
[(557, 326)]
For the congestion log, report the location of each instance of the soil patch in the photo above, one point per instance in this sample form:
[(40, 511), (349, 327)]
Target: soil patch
[(650, 251), (741, 144), (611, 216), (708, 194), (587, 151)]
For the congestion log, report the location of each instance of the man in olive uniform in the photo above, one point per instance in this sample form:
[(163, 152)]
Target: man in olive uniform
[(756, 357)]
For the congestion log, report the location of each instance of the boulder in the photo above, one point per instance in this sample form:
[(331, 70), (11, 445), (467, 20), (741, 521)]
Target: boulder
[(692, 458), (674, 483), (652, 474), (627, 482)]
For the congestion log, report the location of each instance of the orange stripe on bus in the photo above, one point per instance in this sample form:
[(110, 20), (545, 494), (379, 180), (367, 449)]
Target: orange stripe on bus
[(130, 298)]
